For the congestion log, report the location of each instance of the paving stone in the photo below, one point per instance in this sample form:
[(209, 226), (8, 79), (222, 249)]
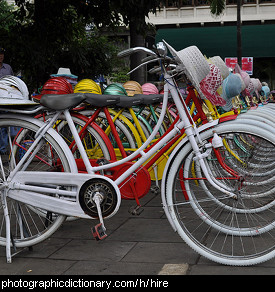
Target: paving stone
[(166, 253), (78, 250), (174, 269), (35, 266), (111, 268)]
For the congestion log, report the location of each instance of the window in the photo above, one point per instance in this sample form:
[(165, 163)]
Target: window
[(183, 3), (177, 4), (201, 2), (171, 3), (266, 1), (234, 2)]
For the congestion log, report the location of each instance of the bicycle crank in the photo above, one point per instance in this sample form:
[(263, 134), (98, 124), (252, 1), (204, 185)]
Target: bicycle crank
[(98, 197)]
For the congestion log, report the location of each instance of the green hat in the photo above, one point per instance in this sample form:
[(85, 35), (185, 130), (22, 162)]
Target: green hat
[(115, 89)]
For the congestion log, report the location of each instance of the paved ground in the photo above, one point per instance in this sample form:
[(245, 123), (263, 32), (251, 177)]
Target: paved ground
[(136, 245)]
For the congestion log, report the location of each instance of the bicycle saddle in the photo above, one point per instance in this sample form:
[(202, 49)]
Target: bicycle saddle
[(151, 98), (129, 101), (62, 101), (101, 100)]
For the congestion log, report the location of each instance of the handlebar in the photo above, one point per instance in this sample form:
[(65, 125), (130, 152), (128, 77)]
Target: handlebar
[(142, 64), (162, 55), (135, 50)]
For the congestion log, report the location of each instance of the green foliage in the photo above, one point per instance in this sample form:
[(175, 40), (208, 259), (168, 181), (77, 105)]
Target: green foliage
[(121, 76), (135, 11), (216, 7), (44, 35), (6, 18), (52, 34)]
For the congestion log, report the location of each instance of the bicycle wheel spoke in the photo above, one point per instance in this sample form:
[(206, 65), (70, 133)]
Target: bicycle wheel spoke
[(29, 225), (226, 229)]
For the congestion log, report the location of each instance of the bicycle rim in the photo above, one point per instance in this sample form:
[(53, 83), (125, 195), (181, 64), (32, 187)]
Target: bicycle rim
[(226, 230), (29, 225)]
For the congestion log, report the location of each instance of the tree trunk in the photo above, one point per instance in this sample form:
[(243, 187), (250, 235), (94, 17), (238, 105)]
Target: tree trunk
[(239, 33), (137, 40)]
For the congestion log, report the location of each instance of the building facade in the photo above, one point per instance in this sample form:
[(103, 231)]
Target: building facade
[(189, 22)]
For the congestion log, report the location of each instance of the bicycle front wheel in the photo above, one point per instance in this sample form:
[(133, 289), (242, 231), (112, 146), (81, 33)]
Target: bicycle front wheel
[(227, 230), (30, 225)]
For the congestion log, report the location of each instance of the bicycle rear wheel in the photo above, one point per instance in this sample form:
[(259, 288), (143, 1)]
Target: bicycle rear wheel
[(232, 231), (30, 225)]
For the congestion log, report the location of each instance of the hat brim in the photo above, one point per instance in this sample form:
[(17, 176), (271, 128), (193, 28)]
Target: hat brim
[(177, 56), (16, 101), (228, 100), (228, 107)]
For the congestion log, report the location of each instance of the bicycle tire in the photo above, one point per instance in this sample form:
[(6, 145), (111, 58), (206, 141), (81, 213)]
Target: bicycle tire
[(199, 230), (29, 225)]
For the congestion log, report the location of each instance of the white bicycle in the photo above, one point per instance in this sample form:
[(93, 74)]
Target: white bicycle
[(214, 201)]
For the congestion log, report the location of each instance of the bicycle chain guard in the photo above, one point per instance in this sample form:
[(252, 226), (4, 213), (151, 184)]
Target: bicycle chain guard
[(134, 187), (102, 189)]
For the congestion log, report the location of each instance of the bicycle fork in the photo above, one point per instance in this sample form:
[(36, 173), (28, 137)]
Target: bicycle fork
[(199, 156), (192, 133)]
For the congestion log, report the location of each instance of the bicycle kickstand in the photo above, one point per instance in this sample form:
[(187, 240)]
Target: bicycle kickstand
[(155, 189), (99, 230), (7, 220), (135, 210)]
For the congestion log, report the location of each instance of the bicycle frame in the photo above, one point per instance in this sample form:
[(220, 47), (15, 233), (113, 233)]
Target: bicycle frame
[(184, 123), (27, 188), (192, 135)]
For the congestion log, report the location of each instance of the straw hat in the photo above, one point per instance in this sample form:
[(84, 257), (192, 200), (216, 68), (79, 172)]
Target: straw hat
[(265, 91), (257, 85), (193, 63), (64, 72), (149, 88), (231, 87), (244, 75), (210, 84), (13, 87), (132, 88), (243, 84), (218, 61)]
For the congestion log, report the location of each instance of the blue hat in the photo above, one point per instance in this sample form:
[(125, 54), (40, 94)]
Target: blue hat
[(231, 87), (265, 91)]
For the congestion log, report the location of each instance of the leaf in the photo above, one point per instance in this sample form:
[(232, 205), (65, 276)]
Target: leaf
[(217, 7)]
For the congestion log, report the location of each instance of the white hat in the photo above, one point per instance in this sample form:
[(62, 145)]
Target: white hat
[(194, 64), (218, 61), (15, 101), (13, 87), (64, 72)]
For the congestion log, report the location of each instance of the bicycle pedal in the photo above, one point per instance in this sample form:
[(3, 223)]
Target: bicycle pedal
[(98, 232), (136, 210)]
